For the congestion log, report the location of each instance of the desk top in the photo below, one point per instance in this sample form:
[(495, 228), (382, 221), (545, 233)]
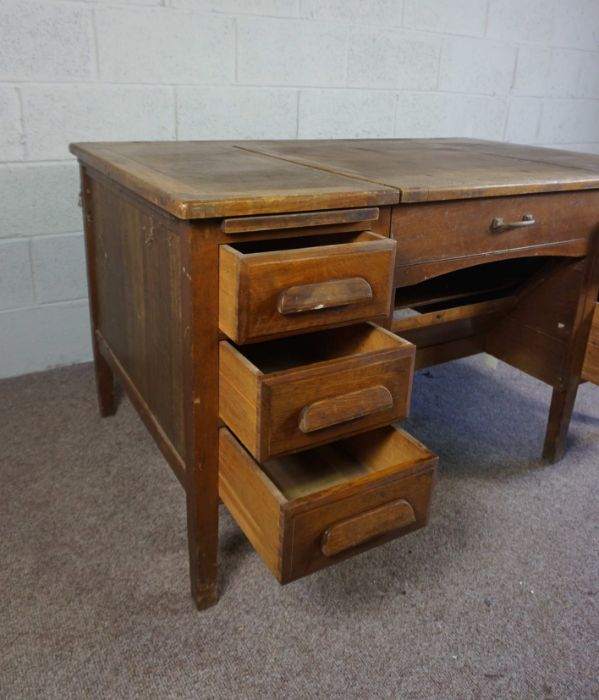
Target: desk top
[(204, 179)]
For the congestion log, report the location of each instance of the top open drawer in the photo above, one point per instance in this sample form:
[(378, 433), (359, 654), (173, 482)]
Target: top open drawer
[(281, 287)]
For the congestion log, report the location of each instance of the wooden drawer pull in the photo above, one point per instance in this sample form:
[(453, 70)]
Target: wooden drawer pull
[(340, 409), (324, 295), (366, 526)]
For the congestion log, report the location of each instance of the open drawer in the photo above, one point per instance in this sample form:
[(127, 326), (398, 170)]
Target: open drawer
[(272, 288), (306, 511), (286, 395)]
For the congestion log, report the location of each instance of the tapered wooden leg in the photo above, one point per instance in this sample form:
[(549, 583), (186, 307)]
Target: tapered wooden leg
[(560, 413), (564, 395), (202, 538), (200, 312), (104, 384), (104, 375)]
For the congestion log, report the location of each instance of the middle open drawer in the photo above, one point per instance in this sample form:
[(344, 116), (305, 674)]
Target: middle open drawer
[(288, 395)]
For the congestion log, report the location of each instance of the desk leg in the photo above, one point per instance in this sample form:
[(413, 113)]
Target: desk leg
[(199, 274), (103, 371), (564, 395), (560, 413)]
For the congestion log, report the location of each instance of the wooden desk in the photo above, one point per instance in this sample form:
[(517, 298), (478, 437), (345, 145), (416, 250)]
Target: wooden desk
[(264, 305)]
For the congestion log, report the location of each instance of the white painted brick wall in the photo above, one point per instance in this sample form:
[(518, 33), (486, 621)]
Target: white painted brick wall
[(517, 70)]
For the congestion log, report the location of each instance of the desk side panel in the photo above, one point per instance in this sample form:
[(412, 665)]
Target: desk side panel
[(136, 254)]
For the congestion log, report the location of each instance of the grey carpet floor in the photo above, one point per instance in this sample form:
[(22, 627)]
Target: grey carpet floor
[(496, 599)]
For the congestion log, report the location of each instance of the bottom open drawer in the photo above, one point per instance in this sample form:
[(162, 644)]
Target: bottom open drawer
[(305, 511)]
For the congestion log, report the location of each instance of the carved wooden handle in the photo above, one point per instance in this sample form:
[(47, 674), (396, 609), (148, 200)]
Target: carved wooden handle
[(340, 409), (324, 295), (366, 526)]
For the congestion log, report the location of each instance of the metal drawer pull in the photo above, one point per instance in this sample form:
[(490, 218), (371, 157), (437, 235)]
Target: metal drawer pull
[(342, 409), (367, 526), (324, 295), (498, 224)]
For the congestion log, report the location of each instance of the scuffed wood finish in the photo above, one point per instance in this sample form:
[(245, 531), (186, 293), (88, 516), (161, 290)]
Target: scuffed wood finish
[(345, 408), (285, 507), (324, 295), (271, 393), (285, 243), (426, 170), (205, 179), (564, 393), (175, 460), (366, 526), (534, 336), (564, 225), (256, 280), (440, 317), (105, 388), (137, 264), (248, 224), (590, 370), (202, 179), (449, 350), (157, 332), (241, 481), (199, 291)]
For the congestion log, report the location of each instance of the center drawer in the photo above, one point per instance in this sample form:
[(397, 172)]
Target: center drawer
[(272, 288), (306, 511), (559, 223), (289, 394)]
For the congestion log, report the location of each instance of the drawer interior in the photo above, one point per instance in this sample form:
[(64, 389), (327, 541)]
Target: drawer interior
[(323, 346), (464, 304), (307, 511), (471, 284), (519, 310), (274, 244), (291, 394), (348, 461)]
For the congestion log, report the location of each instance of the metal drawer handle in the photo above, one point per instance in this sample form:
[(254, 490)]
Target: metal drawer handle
[(499, 224), (342, 409), (324, 295), (367, 526)]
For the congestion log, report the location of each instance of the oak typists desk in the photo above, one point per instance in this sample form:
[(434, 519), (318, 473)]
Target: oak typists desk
[(264, 305)]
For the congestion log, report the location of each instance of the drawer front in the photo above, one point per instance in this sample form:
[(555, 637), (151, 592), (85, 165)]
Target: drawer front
[(311, 404), (281, 292), (561, 222), (311, 510), (325, 535), (318, 408)]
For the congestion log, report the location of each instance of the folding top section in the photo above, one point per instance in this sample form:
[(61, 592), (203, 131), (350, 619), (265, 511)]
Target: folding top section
[(442, 169), (204, 179)]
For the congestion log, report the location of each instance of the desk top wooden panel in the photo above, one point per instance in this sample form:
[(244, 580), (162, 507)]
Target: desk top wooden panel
[(203, 179), (443, 169)]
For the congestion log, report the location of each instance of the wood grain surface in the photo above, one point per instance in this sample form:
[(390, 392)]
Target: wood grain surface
[(283, 396), (201, 179), (204, 179), (261, 285), (286, 506), (442, 169), (590, 370)]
